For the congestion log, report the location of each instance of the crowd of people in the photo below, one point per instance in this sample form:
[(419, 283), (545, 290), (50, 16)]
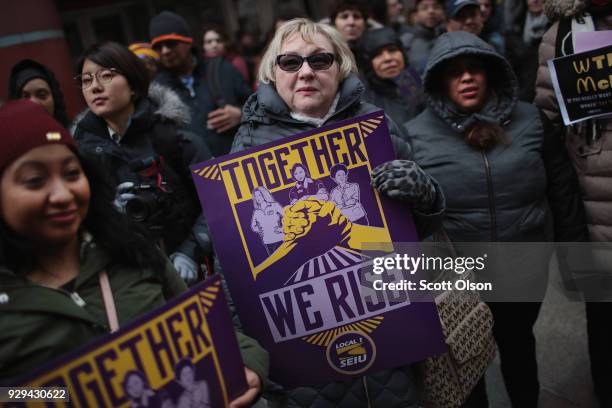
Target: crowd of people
[(481, 153)]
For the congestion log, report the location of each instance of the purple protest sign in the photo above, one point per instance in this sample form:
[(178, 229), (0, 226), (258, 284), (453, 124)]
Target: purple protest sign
[(291, 222), (183, 353)]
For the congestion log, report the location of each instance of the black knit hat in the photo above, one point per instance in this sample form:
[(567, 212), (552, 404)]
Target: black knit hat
[(375, 39), (169, 26)]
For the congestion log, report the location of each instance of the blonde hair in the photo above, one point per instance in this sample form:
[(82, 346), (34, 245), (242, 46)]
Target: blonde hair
[(308, 29)]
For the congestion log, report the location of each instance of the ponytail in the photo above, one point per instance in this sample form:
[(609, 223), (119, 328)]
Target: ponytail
[(484, 136)]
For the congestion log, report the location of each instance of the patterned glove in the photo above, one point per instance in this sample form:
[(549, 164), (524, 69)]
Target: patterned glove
[(405, 180), (185, 266), (123, 194)]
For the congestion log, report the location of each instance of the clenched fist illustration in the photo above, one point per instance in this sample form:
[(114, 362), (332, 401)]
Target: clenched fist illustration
[(313, 216), (313, 227)]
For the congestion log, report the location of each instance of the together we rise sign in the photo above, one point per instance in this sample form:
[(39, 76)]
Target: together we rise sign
[(294, 224)]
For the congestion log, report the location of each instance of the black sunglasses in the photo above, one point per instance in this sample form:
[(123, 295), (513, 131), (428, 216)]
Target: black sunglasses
[(293, 63)]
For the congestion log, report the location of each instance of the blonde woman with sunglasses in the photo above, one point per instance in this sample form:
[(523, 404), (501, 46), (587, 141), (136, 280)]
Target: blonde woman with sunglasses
[(307, 79)]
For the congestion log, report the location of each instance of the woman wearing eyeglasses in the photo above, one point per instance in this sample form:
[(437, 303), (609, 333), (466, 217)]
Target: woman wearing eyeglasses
[(307, 80), (135, 132)]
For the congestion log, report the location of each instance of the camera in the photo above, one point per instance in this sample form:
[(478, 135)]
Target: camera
[(152, 198), (149, 201)]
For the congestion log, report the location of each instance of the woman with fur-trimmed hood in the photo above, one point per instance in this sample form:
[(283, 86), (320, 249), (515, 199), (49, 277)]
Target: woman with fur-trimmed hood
[(589, 145), (135, 132)]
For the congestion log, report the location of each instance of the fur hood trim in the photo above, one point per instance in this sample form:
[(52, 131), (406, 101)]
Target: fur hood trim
[(557, 9), (168, 106)]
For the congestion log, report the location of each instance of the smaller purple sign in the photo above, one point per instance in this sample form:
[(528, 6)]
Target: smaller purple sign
[(182, 354)]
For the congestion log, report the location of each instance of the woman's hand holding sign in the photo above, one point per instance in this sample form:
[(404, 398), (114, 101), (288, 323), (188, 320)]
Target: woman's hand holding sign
[(405, 180), (249, 397)]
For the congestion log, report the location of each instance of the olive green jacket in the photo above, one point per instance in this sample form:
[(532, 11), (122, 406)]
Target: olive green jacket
[(39, 324)]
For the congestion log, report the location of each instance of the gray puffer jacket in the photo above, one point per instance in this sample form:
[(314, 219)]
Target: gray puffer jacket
[(266, 118), (499, 195), (417, 42)]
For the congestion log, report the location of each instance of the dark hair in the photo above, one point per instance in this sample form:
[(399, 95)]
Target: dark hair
[(343, 5), (414, 5), (124, 239), (59, 111), (484, 136), (379, 11), (336, 168), (229, 46), (296, 165), (186, 362), (216, 28), (130, 374), (113, 55)]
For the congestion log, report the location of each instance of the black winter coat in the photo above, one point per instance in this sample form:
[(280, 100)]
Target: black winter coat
[(225, 86), (153, 131)]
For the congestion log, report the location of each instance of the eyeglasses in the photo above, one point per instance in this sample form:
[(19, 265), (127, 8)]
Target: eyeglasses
[(293, 63), (104, 76)]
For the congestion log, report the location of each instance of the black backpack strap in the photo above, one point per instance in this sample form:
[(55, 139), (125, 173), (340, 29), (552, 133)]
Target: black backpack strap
[(564, 44)]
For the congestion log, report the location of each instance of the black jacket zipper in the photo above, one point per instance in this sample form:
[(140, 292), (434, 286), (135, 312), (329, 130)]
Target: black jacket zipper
[(491, 193)]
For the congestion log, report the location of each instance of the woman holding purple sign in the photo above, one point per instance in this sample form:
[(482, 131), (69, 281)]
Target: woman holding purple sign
[(66, 255), (307, 80)]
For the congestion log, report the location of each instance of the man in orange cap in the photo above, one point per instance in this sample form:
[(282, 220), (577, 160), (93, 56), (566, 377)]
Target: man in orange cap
[(214, 90)]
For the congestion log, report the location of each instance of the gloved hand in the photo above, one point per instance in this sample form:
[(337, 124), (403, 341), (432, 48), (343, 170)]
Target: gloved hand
[(185, 266), (405, 180), (123, 194)]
